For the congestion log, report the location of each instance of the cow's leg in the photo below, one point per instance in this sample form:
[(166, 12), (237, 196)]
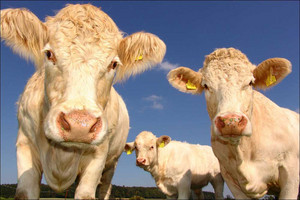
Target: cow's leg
[(289, 180), (198, 194), (91, 173), (218, 185), (105, 185), (29, 169), (184, 186)]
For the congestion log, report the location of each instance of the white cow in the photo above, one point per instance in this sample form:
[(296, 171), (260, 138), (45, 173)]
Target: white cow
[(177, 167), (72, 122), (255, 141)]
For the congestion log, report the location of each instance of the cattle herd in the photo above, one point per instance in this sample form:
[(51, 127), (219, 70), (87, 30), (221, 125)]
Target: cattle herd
[(74, 124)]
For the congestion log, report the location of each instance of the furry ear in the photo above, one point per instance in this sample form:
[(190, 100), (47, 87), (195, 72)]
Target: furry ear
[(138, 52), (185, 80), (129, 147), (162, 141), (24, 33), (271, 71)]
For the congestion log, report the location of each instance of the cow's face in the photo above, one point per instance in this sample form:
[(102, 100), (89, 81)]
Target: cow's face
[(227, 79), (146, 148), (81, 51)]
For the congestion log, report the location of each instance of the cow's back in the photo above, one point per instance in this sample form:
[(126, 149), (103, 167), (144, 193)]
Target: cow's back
[(179, 157)]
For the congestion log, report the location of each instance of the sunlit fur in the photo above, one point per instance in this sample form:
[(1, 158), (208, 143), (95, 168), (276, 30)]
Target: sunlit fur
[(178, 168), (83, 42), (266, 159)]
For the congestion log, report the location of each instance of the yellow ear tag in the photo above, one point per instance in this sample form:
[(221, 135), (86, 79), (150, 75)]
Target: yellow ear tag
[(162, 144), (190, 86), (129, 152), (270, 79), (139, 57)]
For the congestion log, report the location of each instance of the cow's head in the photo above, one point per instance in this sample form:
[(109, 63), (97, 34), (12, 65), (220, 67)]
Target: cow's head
[(81, 53), (146, 147), (228, 78)]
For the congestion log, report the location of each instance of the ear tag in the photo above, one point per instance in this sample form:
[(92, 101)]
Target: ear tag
[(139, 57), (190, 86), (162, 144), (270, 79), (129, 152)]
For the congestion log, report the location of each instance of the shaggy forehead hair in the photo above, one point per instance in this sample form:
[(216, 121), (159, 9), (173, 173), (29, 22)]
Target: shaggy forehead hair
[(226, 53), (145, 136), (229, 61), (82, 26)]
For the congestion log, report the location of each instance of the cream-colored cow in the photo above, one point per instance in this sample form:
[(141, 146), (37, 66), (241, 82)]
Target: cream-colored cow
[(177, 167), (256, 141), (72, 122)]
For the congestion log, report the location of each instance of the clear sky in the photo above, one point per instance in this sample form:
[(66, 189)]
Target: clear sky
[(191, 30)]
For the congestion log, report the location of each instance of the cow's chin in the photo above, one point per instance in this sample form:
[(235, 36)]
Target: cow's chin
[(233, 138), (144, 167)]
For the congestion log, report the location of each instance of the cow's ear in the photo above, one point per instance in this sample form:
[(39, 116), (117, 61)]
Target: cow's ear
[(270, 72), (185, 80), (129, 147), (162, 141), (138, 52), (24, 33)]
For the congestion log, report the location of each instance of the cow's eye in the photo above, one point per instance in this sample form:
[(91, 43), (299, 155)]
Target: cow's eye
[(151, 147), (50, 56), (113, 65), (205, 86)]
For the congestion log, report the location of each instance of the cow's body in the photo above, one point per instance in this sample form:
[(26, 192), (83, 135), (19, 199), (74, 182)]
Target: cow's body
[(72, 122), (255, 140), (66, 164), (178, 167), (263, 161)]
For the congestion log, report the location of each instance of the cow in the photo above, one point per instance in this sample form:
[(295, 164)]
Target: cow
[(255, 140), (72, 122), (177, 167)]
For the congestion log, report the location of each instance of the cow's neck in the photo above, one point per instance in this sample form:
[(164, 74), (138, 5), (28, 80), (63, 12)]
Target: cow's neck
[(154, 168)]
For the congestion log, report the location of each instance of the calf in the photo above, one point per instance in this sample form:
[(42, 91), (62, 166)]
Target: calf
[(72, 122), (255, 141), (177, 167)]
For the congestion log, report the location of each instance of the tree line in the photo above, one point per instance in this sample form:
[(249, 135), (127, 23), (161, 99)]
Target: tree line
[(9, 190)]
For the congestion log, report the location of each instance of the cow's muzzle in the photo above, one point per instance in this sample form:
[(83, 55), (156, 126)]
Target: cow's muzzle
[(140, 161), (231, 125), (78, 126)]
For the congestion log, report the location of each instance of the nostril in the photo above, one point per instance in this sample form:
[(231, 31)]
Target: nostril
[(242, 122), (96, 125), (220, 122), (63, 122)]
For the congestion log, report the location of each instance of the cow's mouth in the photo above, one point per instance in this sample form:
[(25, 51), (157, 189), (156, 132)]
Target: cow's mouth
[(77, 145), (231, 136)]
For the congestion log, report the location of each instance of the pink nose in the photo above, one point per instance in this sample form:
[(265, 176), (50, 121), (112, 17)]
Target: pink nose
[(231, 125), (140, 161), (78, 126)]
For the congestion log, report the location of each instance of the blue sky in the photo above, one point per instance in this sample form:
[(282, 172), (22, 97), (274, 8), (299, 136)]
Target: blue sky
[(190, 30)]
